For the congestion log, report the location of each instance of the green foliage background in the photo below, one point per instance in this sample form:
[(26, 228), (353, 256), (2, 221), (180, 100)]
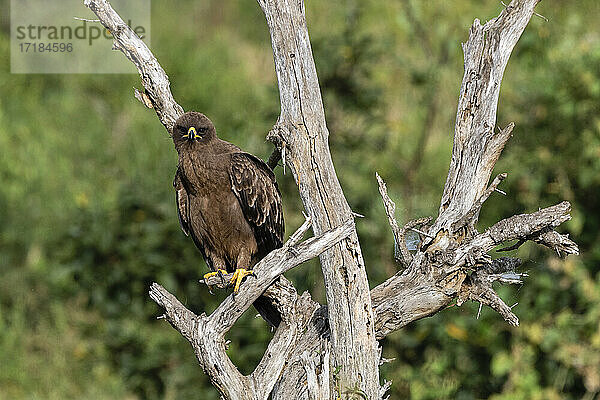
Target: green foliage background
[(88, 218)]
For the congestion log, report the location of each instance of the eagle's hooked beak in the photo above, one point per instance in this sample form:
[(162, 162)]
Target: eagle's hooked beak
[(191, 134)]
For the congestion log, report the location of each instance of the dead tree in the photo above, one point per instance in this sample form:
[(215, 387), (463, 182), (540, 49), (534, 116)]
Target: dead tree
[(329, 352)]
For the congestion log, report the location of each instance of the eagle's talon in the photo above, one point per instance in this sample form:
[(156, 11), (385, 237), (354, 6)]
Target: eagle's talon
[(211, 274), (238, 276), (222, 276)]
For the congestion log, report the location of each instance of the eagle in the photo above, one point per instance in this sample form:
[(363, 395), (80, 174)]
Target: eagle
[(228, 202)]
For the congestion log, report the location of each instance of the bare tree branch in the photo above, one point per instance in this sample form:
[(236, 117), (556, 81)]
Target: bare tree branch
[(207, 334), (522, 226), (157, 93), (302, 132), (476, 145), (472, 215), (439, 270), (402, 254), (437, 277), (390, 211)]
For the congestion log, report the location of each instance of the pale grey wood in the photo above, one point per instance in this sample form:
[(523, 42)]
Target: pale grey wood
[(438, 270), (157, 93), (301, 129), (477, 141), (436, 276), (390, 210), (316, 365), (207, 333)]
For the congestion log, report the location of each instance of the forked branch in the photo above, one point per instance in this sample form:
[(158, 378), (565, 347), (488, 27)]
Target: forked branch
[(477, 145), (453, 259), (207, 333)]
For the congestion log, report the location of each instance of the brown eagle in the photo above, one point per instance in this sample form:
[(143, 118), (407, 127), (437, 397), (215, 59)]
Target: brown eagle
[(227, 201)]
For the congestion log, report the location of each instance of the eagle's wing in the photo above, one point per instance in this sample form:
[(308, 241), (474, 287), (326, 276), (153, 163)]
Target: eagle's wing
[(253, 183), (183, 212), (183, 203)]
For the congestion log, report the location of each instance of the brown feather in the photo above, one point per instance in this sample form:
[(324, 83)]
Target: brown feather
[(227, 200)]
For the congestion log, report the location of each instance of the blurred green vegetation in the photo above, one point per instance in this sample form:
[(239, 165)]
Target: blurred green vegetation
[(88, 217)]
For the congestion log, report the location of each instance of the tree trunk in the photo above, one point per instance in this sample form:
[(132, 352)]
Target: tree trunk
[(302, 131)]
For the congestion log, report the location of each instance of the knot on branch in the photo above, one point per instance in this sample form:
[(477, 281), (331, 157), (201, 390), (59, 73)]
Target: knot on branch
[(320, 322), (476, 256), (275, 136), (439, 258)]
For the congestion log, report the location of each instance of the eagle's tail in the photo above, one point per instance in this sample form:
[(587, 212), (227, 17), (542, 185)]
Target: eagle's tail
[(267, 310)]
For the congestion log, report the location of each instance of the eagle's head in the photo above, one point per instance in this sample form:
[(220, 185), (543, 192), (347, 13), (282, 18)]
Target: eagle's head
[(193, 129)]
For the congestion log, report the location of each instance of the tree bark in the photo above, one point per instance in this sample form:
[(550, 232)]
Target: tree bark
[(331, 352), (206, 334), (301, 129)]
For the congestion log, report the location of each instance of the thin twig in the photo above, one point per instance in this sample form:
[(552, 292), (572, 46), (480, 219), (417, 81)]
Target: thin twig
[(419, 231), (390, 210), (515, 246), (86, 20)]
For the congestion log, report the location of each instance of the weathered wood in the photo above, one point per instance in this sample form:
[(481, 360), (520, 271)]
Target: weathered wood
[(303, 131), (477, 146), (438, 270), (420, 292), (156, 82), (390, 211), (207, 333)]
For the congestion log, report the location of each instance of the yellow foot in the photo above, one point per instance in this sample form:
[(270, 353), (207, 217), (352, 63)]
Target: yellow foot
[(238, 276), (220, 272)]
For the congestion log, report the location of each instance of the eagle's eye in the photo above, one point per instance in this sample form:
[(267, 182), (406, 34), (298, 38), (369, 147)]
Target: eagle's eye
[(203, 130), (183, 131)]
